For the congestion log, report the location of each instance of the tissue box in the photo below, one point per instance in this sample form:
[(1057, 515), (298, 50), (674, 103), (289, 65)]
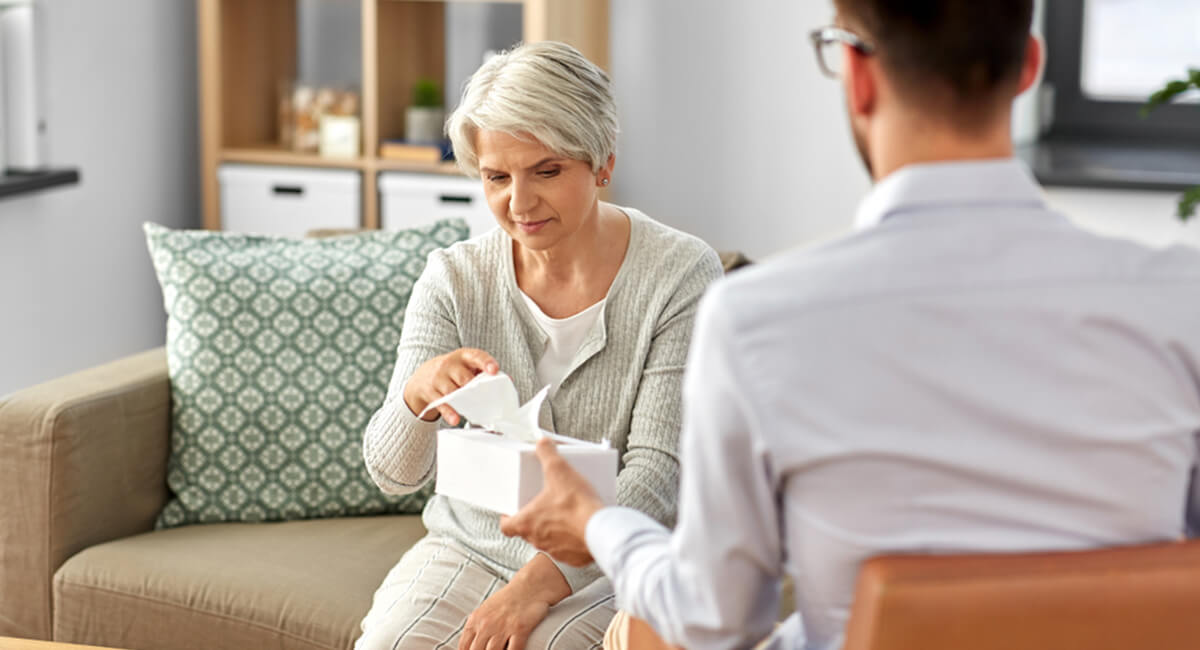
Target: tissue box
[(502, 474)]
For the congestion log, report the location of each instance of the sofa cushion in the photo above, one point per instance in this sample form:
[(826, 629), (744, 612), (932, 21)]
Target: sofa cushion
[(299, 584), (279, 351)]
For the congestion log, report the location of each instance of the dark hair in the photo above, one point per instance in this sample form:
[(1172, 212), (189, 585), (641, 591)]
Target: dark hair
[(970, 50)]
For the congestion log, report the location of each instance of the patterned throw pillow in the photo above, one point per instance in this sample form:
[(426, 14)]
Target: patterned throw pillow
[(279, 351)]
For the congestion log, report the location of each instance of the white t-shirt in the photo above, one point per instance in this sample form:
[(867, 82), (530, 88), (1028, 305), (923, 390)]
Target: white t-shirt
[(566, 337)]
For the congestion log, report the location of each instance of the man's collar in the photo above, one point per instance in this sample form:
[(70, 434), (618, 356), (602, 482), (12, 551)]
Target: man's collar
[(999, 181)]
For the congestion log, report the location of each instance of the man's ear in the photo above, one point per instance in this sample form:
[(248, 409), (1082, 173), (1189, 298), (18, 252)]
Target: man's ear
[(1031, 69), (862, 88)]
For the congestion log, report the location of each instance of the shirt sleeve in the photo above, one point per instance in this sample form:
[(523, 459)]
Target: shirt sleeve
[(714, 581), (398, 447)]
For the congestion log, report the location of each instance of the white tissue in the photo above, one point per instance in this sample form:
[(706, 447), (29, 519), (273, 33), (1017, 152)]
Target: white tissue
[(491, 402)]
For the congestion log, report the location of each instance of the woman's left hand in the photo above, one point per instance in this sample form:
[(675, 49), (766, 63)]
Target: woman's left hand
[(508, 617), (504, 620)]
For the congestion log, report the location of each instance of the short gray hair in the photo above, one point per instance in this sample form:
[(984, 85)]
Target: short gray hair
[(547, 90)]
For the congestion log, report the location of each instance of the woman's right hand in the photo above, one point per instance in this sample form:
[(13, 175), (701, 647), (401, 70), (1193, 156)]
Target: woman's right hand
[(443, 375)]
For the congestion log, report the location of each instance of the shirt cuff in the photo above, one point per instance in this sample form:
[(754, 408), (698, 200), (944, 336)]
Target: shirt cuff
[(378, 447), (416, 424), (609, 531)]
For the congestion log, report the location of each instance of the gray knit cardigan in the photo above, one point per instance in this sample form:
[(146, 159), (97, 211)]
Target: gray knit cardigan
[(624, 383)]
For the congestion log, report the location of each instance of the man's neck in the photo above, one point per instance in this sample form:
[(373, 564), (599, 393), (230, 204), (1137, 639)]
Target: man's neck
[(907, 140)]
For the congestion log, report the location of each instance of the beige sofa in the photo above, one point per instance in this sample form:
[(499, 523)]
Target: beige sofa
[(82, 473)]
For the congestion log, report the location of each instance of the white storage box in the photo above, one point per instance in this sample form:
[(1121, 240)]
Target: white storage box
[(408, 200), (502, 474), (288, 200)]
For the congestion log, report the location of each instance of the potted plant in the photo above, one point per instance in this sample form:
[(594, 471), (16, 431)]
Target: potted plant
[(424, 117), (1191, 198)]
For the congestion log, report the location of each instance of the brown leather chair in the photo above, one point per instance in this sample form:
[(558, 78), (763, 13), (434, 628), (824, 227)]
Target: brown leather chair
[(1136, 597), (1128, 598)]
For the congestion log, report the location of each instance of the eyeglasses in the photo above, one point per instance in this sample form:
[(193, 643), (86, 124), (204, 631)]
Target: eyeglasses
[(828, 42)]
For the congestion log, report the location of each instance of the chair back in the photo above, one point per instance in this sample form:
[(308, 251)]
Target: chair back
[(1136, 597)]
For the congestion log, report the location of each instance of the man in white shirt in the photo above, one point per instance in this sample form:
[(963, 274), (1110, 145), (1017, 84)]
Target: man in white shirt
[(967, 372)]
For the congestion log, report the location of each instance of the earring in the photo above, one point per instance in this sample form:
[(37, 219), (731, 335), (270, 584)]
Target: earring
[(604, 181)]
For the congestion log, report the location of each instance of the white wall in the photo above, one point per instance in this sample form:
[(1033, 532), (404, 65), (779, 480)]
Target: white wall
[(76, 284), (471, 30), (728, 129), (731, 133), (329, 43)]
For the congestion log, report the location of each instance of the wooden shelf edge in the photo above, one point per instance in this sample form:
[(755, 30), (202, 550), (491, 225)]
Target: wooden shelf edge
[(269, 156), (289, 158), (443, 168)]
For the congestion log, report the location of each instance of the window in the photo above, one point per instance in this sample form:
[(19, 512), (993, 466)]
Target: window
[(1131, 48), (1104, 57)]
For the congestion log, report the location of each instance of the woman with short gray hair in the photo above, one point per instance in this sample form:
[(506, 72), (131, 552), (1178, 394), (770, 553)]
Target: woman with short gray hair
[(594, 300), (546, 90)]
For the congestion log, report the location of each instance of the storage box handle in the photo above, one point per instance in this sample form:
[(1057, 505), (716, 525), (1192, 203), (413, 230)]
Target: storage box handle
[(295, 190), (455, 198)]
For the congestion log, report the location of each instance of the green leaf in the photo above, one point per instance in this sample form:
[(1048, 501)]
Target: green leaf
[(1168, 92), (1190, 199), (1188, 203)]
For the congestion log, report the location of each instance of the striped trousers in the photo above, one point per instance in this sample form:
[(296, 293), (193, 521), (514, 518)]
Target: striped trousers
[(426, 598)]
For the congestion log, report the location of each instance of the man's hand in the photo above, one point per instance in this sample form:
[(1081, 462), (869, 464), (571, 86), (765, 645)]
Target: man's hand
[(556, 520), (507, 617)]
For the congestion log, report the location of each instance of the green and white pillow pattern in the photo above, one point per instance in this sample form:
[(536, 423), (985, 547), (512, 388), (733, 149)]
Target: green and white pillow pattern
[(279, 351)]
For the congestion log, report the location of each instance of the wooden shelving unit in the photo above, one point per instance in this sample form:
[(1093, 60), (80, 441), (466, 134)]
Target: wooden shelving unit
[(247, 47)]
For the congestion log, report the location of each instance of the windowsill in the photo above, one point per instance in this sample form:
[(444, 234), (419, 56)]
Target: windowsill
[(1112, 164), (14, 183)]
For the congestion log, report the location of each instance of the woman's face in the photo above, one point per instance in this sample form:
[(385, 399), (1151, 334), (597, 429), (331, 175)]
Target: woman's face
[(539, 198)]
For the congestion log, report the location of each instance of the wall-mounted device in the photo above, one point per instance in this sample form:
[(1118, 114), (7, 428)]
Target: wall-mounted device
[(21, 124)]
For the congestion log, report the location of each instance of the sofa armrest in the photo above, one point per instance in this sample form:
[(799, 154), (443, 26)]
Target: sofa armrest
[(82, 461)]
